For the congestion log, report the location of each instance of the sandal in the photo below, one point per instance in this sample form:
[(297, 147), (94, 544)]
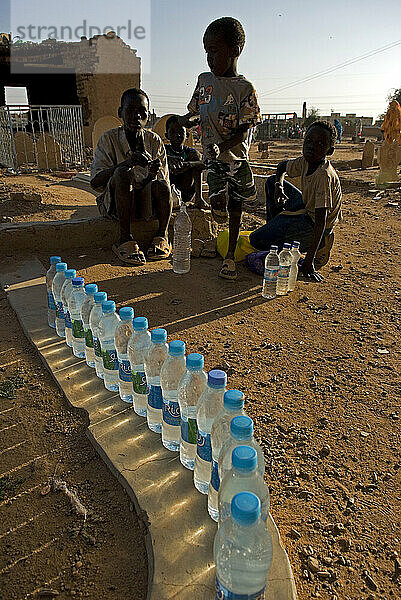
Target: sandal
[(228, 270), (129, 253), (159, 249)]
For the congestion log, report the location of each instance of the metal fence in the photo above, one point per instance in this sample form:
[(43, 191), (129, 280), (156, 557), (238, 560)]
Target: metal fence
[(41, 138)]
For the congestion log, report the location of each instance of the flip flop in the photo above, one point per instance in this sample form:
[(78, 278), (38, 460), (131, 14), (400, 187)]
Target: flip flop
[(160, 249), (129, 253), (228, 270)]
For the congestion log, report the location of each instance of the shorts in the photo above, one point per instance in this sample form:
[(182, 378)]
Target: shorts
[(236, 178), (106, 203)]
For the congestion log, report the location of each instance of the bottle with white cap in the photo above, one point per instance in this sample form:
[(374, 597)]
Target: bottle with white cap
[(137, 349), (121, 339), (296, 255), (94, 320), (285, 259), (154, 360), (51, 306), (269, 284), (241, 434), (57, 284), (86, 309), (107, 329), (170, 375), (66, 292)]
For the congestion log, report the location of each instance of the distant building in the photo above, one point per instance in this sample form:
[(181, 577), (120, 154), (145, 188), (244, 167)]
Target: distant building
[(349, 119)]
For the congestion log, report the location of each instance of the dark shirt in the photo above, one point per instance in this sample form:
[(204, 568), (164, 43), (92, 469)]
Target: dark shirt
[(187, 154)]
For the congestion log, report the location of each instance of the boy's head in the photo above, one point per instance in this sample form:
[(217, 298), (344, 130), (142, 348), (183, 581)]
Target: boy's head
[(134, 109), (319, 141), (223, 41), (175, 132)]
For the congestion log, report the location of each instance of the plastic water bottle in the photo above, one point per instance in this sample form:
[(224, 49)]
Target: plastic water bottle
[(121, 339), (51, 306), (208, 407), (154, 360), (233, 406), (137, 349), (283, 276), (86, 309), (170, 376), (66, 292), (182, 242), (269, 284), (243, 477), (296, 255), (77, 298), (57, 284), (107, 329), (94, 320), (243, 551), (191, 387), (241, 434)]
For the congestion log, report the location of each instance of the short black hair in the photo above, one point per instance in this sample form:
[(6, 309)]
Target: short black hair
[(229, 29), (132, 93), (171, 120), (329, 127)]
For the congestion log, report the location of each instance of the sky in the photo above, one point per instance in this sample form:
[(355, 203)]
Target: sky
[(291, 53)]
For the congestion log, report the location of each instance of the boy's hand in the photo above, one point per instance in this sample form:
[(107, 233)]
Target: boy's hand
[(153, 168), (212, 152), (308, 271), (136, 158), (280, 196), (175, 164)]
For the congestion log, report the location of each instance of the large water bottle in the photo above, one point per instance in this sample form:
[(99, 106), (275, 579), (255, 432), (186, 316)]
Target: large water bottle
[(269, 284), (107, 329), (57, 284), (296, 255), (77, 298), (94, 320), (285, 259), (182, 241), (208, 407), (154, 360), (86, 309), (170, 376), (121, 339), (243, 551), (191, 387), (241, 434), (243, 477), (66, 292), (51, 306), (233, 406), (137, 349)]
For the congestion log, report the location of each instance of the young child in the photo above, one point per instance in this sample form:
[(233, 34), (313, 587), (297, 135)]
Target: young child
[(308, 216), (228, 109)]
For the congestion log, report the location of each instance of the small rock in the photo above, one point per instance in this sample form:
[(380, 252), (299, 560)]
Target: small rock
[(78, 564), (344, 544), (370, 582), (294, 534), (312, 564), (325, 451), (326, 560), (323, 574), (47, 593)]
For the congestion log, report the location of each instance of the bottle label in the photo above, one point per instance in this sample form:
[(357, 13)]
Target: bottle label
[(139, 381), (204, 446), (124, 371), (271, 275), (50, 300), (97, 347), (215, 479), (155, 398), (78, 329), (222, 593), (189, 431), (284, 271), (67, 316), (60, 311), (89, 338), (171, 413), (110, 361)]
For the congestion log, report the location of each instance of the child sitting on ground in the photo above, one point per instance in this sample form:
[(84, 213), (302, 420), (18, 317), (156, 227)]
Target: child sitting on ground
[(228, 109)]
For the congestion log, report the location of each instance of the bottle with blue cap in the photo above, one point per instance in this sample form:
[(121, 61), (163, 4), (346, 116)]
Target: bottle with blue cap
[(295, 256), (107, 329), (137, 349), (66, 292), (191, 387), (283, 277), (209, 405), (57, 284), (86, 309), (243, 551), (121, 339), (76, 299), (154, 360), (94, 320), (233, 406), (241, 434), (170, 375), (243, 477), (51, 306), (269, 284)]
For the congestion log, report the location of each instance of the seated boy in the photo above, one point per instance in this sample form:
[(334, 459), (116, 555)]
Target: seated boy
[(184, 164), (130, 169), (308, 216)]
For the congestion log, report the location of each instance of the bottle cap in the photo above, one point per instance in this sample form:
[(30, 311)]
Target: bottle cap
[(244, 458), (61, 267), (287, 246), (195, 362), (296, 244), (70, 273), (100, 297), (90, 289), (77, 281), (55, 259), (217, 379), (245, 508), (140, 324), (241, 428), (109, 306), (234, 399), (176, 348), (126, 313), (273, 248), (158, 336)]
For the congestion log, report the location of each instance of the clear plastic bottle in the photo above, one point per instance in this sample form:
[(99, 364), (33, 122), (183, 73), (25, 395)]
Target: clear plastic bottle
[(191, 387), (94, 320), (296, 255), (182, 242), (154, 360), (137, 349), (208, 407), (86, 309), (241, 434), (51, 306), (122, 336), (66, 292), (243, 477), (233, 406), (170, 376), (269, 284), (283, 276), (57, 284), (243, 551), (76, 300), (107, 329)]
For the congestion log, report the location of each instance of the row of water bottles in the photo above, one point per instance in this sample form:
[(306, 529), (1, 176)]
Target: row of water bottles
[(281, 271)]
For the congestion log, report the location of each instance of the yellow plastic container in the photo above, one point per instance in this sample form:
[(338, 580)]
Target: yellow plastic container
[(243, 245)]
